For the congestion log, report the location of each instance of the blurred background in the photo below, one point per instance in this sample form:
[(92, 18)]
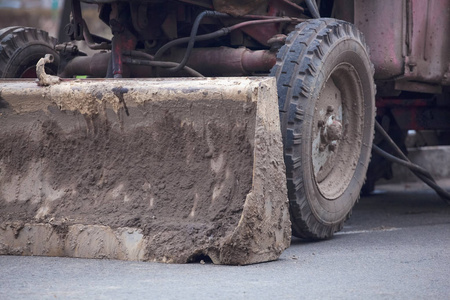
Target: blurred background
[(43, 14), (46, 15)]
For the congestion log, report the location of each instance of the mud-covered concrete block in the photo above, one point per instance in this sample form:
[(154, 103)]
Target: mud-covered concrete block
[(167, 170)]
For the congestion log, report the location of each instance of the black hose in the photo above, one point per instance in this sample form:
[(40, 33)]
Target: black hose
[(312, 7), (163, 64), (221, 32), (192, 39), (386, 136), (420, 172), (204, 37), (411, 166)]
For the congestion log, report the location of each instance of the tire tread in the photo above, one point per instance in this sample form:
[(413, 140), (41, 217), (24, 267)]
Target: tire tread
[(301, 55), (15, 40)]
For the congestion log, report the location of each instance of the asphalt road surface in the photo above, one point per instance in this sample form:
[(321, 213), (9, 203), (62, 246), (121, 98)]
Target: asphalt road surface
[(395, 246)]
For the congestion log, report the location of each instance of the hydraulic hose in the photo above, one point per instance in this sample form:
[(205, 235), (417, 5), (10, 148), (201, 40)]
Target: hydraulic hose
[(221, 32), (312, 7), (420, 172), (163, 64), (192, 39)]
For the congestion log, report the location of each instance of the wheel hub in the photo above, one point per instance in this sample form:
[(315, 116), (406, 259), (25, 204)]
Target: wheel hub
[(330, 132), (336, 132)]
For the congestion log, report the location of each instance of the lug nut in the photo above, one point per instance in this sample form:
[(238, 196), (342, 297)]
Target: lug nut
[(332, 146)]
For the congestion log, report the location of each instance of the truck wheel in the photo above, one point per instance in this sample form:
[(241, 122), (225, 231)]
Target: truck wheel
[(20, 50), (327, 109)]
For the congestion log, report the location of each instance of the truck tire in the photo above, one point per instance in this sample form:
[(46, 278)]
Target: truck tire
[(20, 50), (327, 110)]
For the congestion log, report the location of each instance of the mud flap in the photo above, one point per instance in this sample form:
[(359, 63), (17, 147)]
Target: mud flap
[(156, 170)]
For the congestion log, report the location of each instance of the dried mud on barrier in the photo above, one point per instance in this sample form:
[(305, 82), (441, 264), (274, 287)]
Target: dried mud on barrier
[(157, 170)]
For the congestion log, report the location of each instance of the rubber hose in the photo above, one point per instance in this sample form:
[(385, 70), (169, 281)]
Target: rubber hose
[(163, 64), (400, 161), (192, 38), (420, 172), (312, 7)]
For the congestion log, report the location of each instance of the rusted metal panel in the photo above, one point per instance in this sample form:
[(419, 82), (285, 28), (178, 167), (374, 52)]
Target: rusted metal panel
[(382, 25), (428, 55), (409, 41)]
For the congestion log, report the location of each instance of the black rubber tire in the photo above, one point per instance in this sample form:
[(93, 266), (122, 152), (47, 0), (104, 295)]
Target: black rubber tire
[(20, 50), (319, 56)]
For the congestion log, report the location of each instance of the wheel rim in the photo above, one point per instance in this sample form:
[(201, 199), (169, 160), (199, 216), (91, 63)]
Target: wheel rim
[(337, 131)]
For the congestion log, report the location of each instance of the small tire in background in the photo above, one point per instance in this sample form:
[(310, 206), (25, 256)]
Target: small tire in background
[(20, 50)]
